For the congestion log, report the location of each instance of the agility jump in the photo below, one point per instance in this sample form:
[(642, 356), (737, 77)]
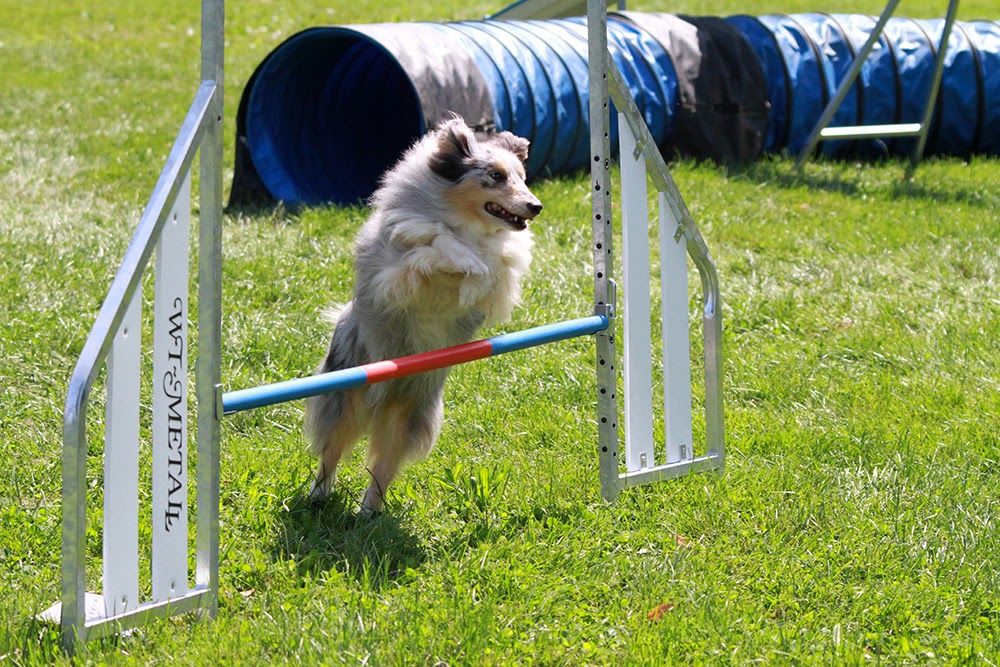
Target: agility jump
[(393, 369), (113, 342)]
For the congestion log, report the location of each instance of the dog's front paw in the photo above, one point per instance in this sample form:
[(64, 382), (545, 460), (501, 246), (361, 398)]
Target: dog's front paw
[(470, 265), (456, 257)]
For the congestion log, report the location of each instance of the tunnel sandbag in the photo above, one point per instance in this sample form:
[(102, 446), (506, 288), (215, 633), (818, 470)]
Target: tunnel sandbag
[(777, 79), (722, 109), (798, 80)]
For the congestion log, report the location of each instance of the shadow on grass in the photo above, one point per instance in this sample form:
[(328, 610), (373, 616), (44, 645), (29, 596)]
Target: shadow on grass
[(783, 174), (326, 535)]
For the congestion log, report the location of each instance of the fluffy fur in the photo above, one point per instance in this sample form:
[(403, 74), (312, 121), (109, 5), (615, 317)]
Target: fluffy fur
[(442, 254)]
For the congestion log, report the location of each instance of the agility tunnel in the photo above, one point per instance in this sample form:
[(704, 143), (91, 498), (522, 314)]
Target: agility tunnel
[(331, 108)]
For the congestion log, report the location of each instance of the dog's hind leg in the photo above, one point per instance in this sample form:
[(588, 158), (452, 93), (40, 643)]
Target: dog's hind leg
[(400, 432), (336, 422)]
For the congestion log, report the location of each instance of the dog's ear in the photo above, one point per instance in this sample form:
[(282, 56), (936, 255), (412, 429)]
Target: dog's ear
[(513, 143), (454, 146)]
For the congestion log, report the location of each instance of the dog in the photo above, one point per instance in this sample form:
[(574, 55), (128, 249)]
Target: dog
[(441, 255)]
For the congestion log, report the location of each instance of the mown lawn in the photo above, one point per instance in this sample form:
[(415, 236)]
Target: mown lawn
[(859, 513)]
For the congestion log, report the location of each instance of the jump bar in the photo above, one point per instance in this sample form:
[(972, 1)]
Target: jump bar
[(391, 369)]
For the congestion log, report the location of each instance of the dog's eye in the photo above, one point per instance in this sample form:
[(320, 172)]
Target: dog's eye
[(497, 176)]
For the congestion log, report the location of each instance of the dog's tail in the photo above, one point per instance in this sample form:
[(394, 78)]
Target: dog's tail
[(324, 412)]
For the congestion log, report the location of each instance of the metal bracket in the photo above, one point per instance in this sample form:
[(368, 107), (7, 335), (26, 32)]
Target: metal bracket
[(608, 309), (679, 234), (219, 410), (640, 148)]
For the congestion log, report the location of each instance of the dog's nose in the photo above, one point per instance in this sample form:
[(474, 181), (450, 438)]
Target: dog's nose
[(535, 208)]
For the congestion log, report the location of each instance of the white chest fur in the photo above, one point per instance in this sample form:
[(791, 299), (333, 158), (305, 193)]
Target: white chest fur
[(431, 268)]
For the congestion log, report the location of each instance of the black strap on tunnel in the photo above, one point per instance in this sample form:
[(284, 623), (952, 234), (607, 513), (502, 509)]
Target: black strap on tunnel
[(818, 55), (824, 84), (858, 84), (977, 59), (934, 132)]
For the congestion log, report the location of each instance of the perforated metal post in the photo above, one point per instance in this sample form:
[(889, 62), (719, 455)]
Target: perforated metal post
[(604, 289), (711, 313)]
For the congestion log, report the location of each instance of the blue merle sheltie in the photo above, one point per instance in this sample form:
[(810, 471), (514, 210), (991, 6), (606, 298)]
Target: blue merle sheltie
[(442, 255)]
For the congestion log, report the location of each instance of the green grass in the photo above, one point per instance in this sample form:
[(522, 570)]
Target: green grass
[(857, 519)]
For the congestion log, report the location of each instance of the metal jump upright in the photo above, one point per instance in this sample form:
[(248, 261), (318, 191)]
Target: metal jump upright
[(116, 339), (679, 238)]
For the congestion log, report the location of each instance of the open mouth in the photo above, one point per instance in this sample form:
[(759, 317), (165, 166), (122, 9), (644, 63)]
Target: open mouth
[(497, 211)]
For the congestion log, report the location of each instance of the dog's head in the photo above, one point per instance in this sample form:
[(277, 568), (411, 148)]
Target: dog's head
[(484, 177)]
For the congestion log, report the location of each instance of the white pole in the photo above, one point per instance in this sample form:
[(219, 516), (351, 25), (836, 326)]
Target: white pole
[(170, 445), (676, 343), (121, 465), (639, 452)]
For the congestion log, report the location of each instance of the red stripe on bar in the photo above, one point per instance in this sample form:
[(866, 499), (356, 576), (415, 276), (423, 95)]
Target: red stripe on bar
[(427, 361)]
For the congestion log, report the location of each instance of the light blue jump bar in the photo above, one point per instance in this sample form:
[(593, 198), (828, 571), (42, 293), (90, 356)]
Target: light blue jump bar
[(547, 333), (290, 390), (348, 378)]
